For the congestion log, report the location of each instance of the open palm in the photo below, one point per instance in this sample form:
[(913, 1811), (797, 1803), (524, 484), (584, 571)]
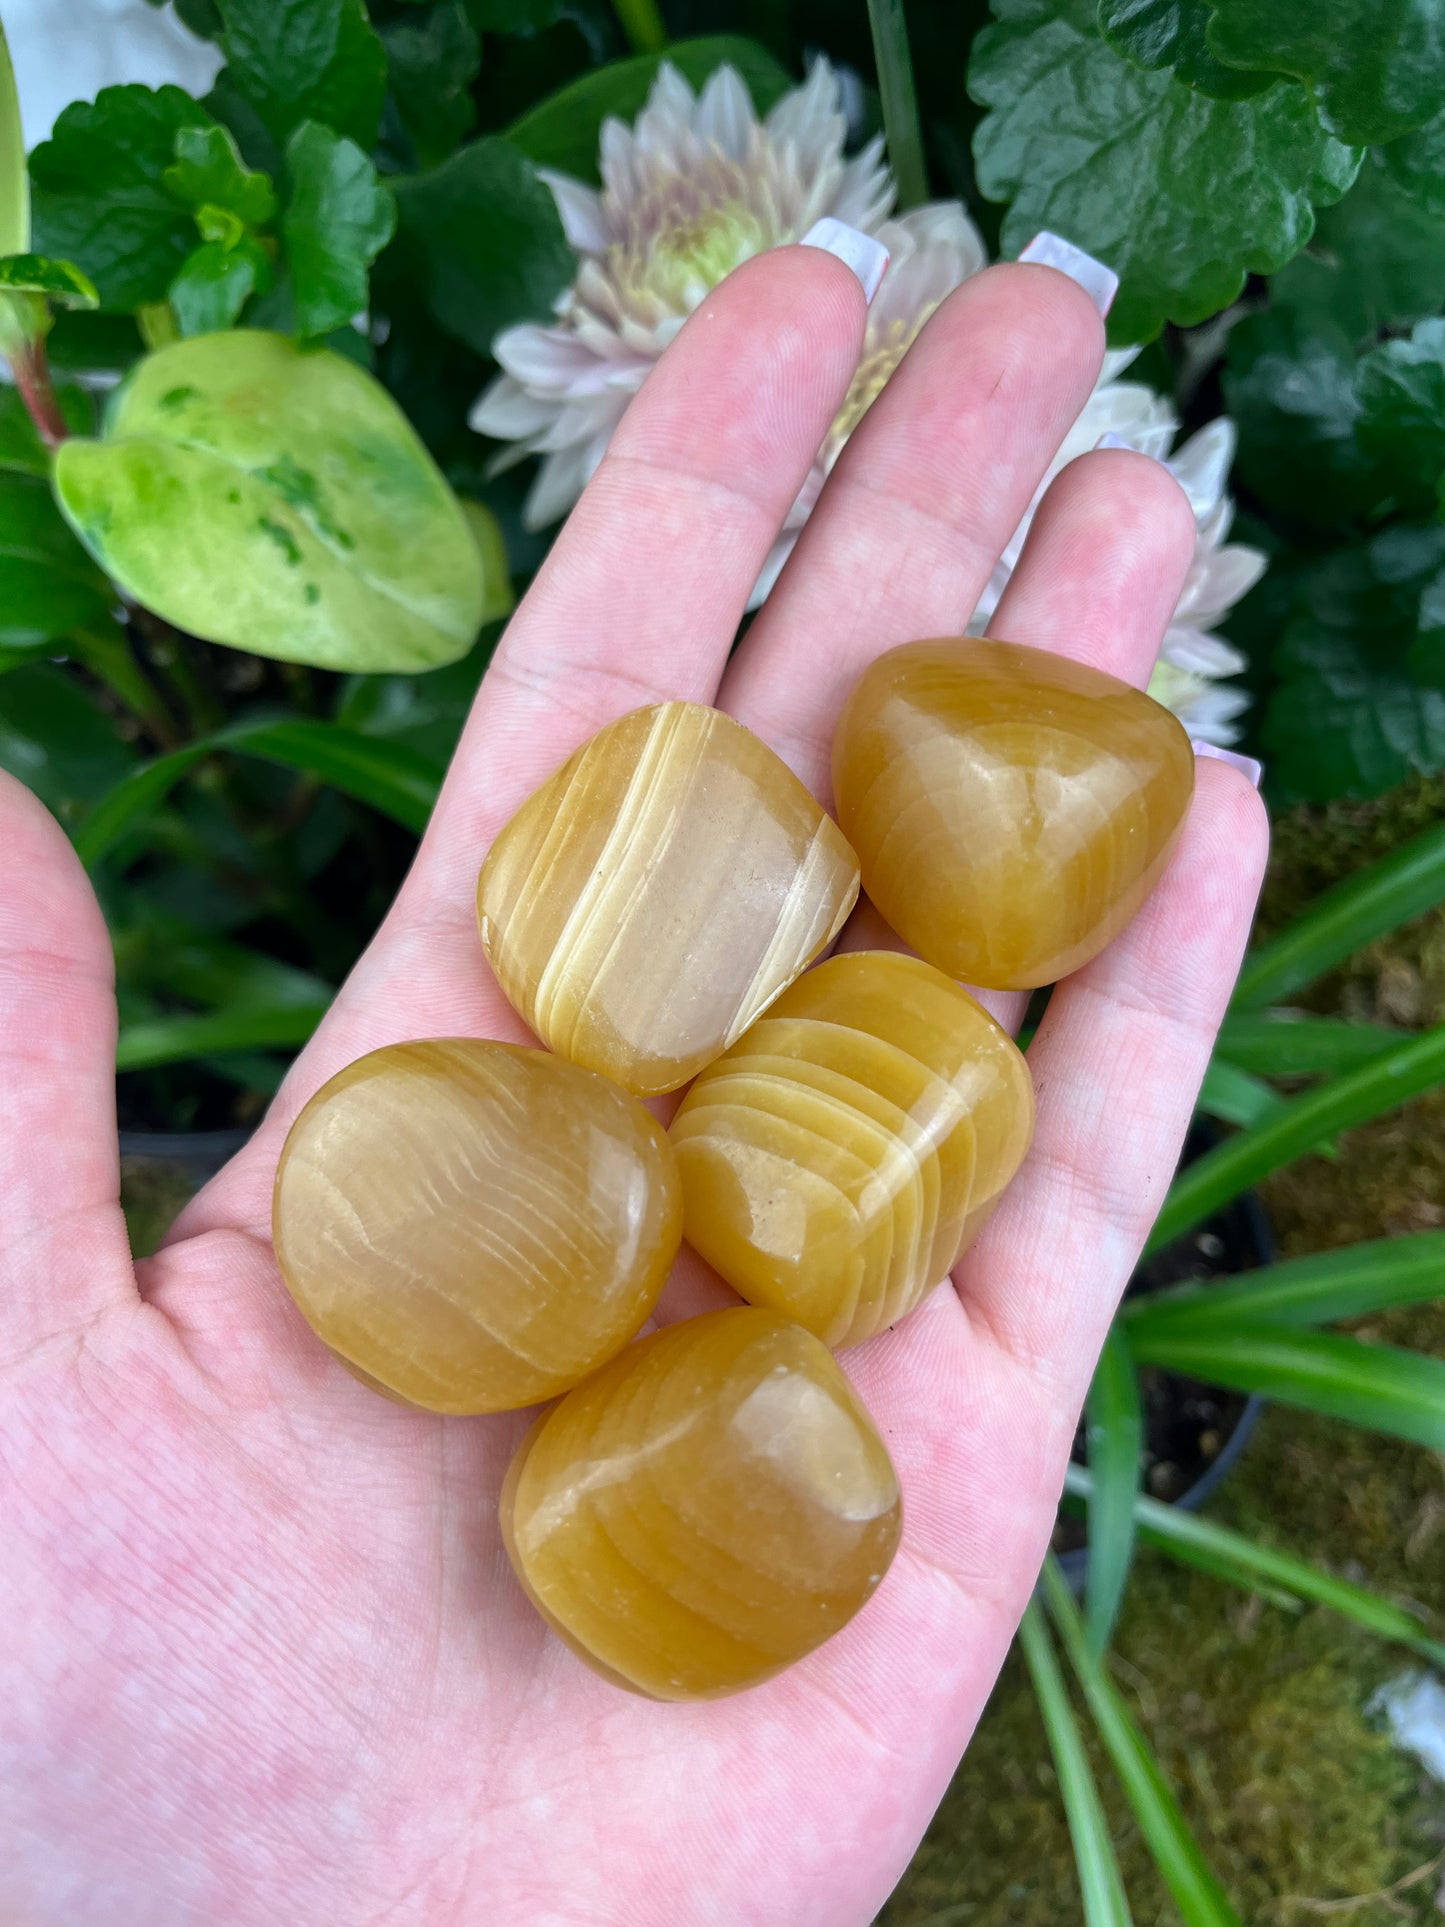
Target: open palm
[(261, 1656)]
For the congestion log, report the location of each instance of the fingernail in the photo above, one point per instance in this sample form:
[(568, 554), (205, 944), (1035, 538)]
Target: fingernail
[(856, 250), (1246, 765), (1111, 440), (1099, 283)]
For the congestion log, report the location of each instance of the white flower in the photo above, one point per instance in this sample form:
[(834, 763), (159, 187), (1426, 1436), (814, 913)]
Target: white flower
[(688, 194), (66, 50), (694, 189)]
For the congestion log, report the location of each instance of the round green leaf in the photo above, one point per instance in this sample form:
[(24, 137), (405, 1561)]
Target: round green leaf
[(276, 500)]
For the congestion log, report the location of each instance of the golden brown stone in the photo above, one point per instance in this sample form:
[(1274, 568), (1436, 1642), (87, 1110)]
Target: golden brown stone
[(840, 1156), (655, 895), (473, 1226), (707, 1509), (1011, 809)]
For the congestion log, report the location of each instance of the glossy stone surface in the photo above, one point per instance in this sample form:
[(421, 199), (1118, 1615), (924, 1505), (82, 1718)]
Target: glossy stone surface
[(837, 1160), (1011, 809), (655, 895), (471, 1226), (710, 1507)]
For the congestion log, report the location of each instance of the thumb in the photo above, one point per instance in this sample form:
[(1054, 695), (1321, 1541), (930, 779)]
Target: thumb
[(64, 1255)]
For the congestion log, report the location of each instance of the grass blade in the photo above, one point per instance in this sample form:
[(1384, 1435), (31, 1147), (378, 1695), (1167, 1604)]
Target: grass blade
[(1410, 881), (1379, 1387), (392, 777), (1288, 1043), (1316, 1290), (1235, 1096), (1197, 1893), (1296, 1128), (1116, 1440), (1275, 1575), (170, 1040), (1100, 1883)]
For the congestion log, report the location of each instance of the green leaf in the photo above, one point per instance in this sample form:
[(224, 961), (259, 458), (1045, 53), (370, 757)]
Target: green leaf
[(100, 194), (208, 172), (1232, 1095), (432, 64), (1100, 1885), (1289, 1043), (57, 739), (166, 954), (1375, 71), (498, 597), (215, 283), (1244, 1562), (1290, 385), (276, 500), (338, 219), (1301, 1123), (487, 241), (1181, 195), (1197, 1894), (1115, 1420), (1348, 715), (48, 584), (1170, 33), (173, 1039), (1405, 884), (1417, 165), (1378, 1387), (1377, 259), (563, 133), (1317, 1290), (14, 181), (59, 281), (298, 60), (424, 712), (391, 777), (1401, 387)]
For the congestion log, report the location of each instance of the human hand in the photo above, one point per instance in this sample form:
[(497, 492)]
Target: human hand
[(262, 1656)]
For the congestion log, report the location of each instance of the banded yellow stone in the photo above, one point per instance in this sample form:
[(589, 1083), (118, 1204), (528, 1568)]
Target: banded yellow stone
[(705, 1510), (1011, 809), (654, 895), (471, 1226), (841, 1155)]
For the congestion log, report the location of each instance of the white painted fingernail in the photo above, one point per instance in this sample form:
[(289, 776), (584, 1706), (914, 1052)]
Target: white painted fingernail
[(1111, 440), (1099, 283), (1246, 765), (856, 250)]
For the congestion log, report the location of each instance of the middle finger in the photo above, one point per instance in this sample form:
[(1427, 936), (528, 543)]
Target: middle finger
[(924, 497)]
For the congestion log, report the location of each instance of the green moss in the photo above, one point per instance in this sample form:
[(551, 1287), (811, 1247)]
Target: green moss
[(1257, 1714)]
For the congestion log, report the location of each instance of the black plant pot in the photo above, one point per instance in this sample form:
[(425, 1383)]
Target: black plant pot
[(1237, 1238)]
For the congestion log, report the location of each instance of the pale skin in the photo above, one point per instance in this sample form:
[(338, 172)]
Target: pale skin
[(261, 1656)]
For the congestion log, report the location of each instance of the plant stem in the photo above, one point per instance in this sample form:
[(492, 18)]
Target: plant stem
[(110, 656), (24, 320), (643, 25), (900, 101)]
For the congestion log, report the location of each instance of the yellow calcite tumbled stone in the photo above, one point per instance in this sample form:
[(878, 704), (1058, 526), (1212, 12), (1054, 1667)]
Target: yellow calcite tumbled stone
[(1011, 809), (655, 895), (840, 1156), (472, 1226), (710, 1507)]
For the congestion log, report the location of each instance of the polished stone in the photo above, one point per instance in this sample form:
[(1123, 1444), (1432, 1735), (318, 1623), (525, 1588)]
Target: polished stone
[(842, 1154), (655, 894), (1011, 809), (713, 1505), (471, 1226)]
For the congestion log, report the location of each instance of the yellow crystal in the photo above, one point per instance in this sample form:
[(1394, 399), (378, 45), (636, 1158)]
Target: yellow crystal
[(654, 896), (1011, 809), (472, 1226), (840, 1156), (708, 1508)]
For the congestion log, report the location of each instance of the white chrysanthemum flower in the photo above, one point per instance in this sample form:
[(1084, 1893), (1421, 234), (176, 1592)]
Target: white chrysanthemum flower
[(691, 192), (69, 52), (694, 189)]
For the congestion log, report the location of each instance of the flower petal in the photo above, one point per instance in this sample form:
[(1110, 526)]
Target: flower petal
[(580, 207), (725, 115)]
